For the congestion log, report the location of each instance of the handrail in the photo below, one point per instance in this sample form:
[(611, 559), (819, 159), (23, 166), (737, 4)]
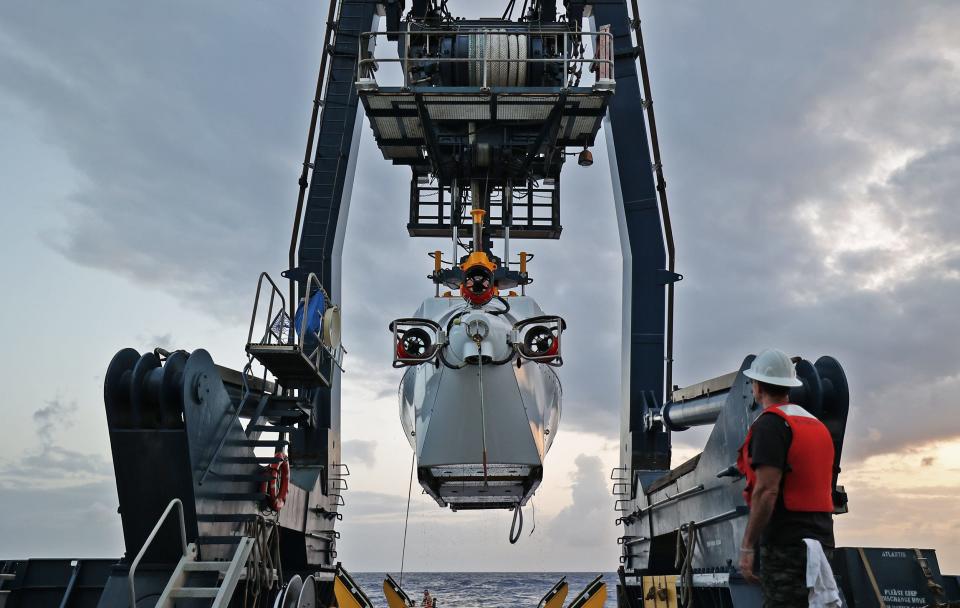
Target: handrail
[(335, 354), (146, 544), (308, 154), (256, 303), (366, 63)]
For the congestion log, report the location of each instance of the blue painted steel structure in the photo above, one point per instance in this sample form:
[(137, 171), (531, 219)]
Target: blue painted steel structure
[(328, 203), (645, 453)]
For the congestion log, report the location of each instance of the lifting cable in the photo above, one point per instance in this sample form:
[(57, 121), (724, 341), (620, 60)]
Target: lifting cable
[(406, 520), (483, 418)]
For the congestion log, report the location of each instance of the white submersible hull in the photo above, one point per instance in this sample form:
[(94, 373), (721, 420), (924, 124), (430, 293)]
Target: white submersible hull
[(482, 414)]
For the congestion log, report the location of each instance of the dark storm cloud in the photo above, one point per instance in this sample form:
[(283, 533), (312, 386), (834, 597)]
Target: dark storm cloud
[(811, 154)]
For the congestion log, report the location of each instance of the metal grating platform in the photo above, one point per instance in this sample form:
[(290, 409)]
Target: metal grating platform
[(405, 121), (290, 366), (462, 487)]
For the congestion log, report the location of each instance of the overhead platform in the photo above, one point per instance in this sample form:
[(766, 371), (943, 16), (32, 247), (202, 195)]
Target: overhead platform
[(410, 125)]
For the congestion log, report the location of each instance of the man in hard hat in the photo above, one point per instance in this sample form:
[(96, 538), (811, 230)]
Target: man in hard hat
[(787, 459)]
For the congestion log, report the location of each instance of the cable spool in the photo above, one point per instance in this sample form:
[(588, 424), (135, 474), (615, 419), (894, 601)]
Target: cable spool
[(331, 328), (289, 596), (491, 49)]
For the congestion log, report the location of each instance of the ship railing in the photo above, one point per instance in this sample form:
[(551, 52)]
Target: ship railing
[(573, 59), (321, 347), (131, 576)]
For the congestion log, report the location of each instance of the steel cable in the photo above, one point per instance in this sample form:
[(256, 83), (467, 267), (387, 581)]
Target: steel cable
[(406, 520)]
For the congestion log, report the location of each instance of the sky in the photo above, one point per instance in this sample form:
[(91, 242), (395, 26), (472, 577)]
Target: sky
[(148, 173)]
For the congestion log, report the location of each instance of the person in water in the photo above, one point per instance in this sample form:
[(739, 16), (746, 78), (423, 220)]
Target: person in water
[(427, 600)]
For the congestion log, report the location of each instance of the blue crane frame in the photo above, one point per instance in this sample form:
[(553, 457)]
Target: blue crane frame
[(646, 277)]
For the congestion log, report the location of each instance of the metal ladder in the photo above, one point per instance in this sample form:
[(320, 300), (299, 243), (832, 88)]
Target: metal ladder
[(4, 577), (230, 572)]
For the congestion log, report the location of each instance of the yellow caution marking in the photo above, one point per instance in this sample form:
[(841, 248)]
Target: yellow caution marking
[(593, 595), (347, 592), (556, 596), (396, 597)]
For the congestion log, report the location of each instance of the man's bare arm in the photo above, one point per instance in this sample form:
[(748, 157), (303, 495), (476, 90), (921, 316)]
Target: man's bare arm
[(762, 503)]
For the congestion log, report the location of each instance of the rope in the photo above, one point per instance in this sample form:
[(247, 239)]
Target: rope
[(265, 555), (533, 510), (406, 520), (489, 50), (686, 563), (871, 578), (515, 529)]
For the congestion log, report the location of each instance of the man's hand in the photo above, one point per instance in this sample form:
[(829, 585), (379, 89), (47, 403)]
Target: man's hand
[(762, 503), (746, 567)]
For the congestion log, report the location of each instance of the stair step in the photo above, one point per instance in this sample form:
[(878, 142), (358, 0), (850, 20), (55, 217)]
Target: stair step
[(195, 592), (273, 412), (270, 428), (250, 477), (218, 540), (249, 459), (232, 495), (206, 566), (258, 443), (226, 517)]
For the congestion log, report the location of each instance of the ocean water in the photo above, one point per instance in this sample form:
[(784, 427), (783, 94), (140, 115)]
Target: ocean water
[(483, 589)]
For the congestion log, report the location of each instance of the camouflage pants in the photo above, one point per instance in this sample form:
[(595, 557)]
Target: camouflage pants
[(783, 571)]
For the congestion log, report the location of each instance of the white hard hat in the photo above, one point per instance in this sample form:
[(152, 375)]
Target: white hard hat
[(773, 367)]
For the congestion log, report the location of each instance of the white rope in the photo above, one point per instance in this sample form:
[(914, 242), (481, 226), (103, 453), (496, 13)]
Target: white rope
[(522, 54), (511, 66)]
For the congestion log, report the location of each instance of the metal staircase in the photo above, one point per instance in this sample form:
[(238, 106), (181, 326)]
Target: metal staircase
[(228, 477), (183, 586), (192, 578)]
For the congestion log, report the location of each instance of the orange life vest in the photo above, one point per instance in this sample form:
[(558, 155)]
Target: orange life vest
[(808, 482)]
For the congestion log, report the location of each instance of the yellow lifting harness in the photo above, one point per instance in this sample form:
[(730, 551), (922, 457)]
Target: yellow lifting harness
[(593, 595)]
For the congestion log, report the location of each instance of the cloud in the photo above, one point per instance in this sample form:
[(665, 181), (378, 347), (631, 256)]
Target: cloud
[(361, 450), (188, 154), (54, 415), (811, 157), (591, 502), (73, 521), (48, 465)]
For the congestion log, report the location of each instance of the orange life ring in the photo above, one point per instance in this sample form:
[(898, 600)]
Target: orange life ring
[(279, 483)]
